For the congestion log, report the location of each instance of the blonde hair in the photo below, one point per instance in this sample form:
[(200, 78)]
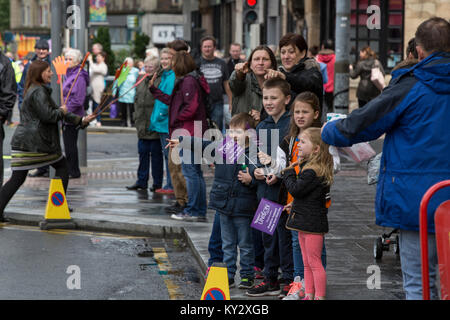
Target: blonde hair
[(322, 161)]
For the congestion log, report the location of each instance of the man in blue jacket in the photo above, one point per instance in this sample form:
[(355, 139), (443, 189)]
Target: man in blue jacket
[(413, 111)]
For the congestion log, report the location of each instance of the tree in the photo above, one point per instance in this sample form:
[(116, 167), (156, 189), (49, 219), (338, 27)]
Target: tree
[(104, 39), (140, 45), (4, 15)]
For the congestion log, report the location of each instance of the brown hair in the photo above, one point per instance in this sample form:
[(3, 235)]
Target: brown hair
[(178, 45), (322, 161), (183, 63), (205, 38), (243, 120), (34, 74), (370, 53), (294, 40), (433, 35), (310, 99), (279, 83), (273, 60)]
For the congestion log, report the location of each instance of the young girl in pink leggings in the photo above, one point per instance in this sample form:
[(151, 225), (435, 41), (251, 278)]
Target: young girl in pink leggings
[(308, 215)]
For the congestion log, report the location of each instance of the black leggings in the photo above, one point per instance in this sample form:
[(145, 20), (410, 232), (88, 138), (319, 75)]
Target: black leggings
[(18, 178)]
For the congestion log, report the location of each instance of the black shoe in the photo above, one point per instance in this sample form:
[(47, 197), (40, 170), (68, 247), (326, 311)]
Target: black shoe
[(135, 187), (175, 209), (154, 188), (265, 289), (39, 173)]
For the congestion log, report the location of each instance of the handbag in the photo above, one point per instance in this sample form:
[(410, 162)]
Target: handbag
[(377, 77)]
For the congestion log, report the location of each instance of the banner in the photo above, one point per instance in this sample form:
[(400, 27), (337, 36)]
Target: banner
[(267, 216), (97, 11)]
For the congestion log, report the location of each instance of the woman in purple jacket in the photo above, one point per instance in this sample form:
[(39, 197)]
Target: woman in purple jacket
[(187, 112), (75, 104)]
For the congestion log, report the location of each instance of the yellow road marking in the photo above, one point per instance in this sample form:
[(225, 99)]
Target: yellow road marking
[(68, 232), (165, 267)]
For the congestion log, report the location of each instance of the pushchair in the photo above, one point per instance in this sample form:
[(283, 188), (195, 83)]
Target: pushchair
[(384, 242)]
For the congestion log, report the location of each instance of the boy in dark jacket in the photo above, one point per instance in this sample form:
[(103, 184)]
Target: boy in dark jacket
[(233, 196), (271, 131)]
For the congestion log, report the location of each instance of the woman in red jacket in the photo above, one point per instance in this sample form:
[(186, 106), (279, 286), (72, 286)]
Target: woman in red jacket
[(187, 112)]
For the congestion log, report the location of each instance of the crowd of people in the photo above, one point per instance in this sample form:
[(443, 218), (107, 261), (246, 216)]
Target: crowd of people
[(278, 99)]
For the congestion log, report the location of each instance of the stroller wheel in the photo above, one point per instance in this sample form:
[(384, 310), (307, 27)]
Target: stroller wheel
[(397, 246), (378, 248)]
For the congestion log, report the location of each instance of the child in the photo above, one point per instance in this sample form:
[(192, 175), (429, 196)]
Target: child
[(310, 189), (305, 113), (278, 247), (233, 196)]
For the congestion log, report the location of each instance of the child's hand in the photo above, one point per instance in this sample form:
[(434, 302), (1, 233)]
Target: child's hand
[(288, 208), (271, 179), (264, 158), (172, 143), (259, 174), (244, 176)]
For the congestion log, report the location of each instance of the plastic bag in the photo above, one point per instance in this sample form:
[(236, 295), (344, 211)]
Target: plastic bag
[(373, 169), (113, 111), (336, 159), (359, 152)]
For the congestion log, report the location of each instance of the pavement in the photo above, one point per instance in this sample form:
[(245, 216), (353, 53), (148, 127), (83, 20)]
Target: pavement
[(102, 203)]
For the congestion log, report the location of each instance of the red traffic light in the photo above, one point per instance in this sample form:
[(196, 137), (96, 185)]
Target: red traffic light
[(251, 3)]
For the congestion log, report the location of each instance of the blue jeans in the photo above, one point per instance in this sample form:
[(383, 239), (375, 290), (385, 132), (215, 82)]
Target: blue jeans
[(236, 232), (150, 149), (162, 138), (215, 242), (217, 114), (411, 263), (196, 190), (299, 268)]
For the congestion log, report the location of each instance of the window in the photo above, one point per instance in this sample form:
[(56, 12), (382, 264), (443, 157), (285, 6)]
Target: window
[(43, 15), (387, 42), (26, 14), (118, 35)]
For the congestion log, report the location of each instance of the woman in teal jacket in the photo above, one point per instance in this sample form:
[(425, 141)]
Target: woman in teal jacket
[(160, 117)]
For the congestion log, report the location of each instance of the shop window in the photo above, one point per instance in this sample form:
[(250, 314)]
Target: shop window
[(386, 42)]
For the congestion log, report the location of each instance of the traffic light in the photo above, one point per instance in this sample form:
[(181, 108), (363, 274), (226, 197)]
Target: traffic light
[(250, 12)]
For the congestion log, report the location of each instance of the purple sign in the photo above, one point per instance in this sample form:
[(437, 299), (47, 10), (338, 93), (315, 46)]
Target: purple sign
[(267, 216), (230, 150)]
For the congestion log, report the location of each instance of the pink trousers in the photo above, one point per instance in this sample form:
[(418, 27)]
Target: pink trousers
[(315, 275)]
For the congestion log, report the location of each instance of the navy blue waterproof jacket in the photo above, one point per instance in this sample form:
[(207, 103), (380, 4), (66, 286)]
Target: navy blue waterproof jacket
[(414, 112), (264, 132), (228, 195)]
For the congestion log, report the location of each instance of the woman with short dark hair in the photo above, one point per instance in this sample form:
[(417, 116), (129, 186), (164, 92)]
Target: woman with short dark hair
[(36, 140), (302, 72)]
